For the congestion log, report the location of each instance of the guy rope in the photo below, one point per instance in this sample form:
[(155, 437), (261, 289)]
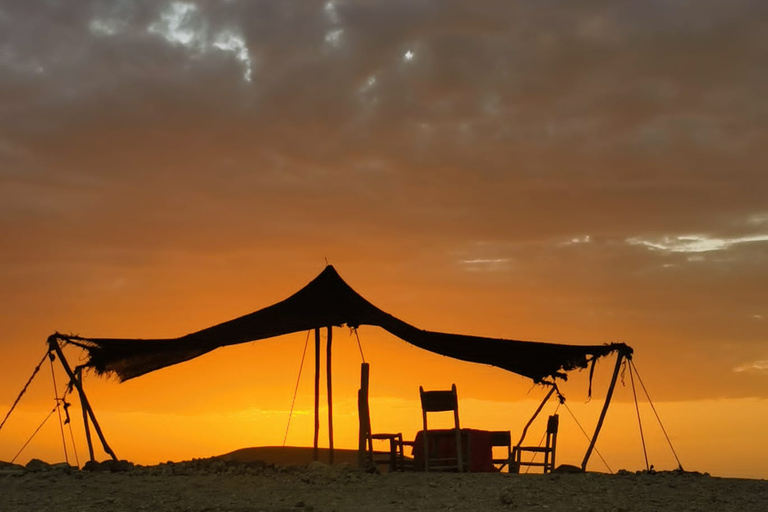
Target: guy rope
[(54, 353)]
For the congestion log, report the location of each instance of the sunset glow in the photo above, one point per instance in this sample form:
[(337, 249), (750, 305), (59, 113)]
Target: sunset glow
[(579, 174)]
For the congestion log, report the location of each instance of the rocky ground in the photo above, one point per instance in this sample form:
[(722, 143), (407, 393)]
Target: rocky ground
[(218, 485)]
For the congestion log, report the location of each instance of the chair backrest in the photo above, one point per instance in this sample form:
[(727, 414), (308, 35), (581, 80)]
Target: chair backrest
[(437, 401), (549, 449), (552, 424), (440, 401), (501, 438)]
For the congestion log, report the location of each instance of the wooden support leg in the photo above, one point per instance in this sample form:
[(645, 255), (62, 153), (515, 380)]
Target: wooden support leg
[(315, 453), (426, 441), (364, 416), (459, 446), (79, 374), (330, 395), (608, 396), (53, 343)]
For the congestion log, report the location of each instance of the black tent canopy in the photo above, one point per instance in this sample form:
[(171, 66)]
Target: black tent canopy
[(329, 301)]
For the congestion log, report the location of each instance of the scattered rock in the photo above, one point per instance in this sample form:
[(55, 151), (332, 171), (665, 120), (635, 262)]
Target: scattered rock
[(10, 466), (120, 466), (507, 497), (93, 465), (113, 466), (36, 465), (567, 469), (63, 467), (318, 466)]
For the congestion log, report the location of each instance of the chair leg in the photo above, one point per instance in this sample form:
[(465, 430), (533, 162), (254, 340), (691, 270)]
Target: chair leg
[(426, 442), (392, 459), (396, 454), (459, 451)]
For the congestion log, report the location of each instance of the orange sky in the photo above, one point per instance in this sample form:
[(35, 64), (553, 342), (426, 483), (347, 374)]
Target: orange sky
[(581, 174)]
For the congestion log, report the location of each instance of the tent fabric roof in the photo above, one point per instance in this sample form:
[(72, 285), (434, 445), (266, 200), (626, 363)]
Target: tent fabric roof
[(329, 301)]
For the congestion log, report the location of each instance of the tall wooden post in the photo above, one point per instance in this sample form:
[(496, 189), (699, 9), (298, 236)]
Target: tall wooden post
[(53, 343), (317, 394), (364, 416), (619, 359), (330, 394)]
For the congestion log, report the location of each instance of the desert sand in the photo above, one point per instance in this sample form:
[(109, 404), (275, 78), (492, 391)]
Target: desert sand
[(229, 484)]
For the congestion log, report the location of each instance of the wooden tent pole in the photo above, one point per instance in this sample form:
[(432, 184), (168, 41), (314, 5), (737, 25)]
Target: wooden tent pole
[(364, 416), (317, 394), (330, 394), (53, 343), (85, 420), (608, 396), (535, 414)]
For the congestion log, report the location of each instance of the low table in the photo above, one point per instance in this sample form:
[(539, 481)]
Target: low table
[(476, 445)]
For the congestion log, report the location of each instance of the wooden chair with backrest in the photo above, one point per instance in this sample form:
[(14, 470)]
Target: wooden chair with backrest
[(503, 438), (441, 401), (394, 458), (549, 449)]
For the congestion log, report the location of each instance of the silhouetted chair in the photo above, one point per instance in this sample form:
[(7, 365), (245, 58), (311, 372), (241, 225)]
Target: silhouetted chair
[(549, 448), (441, 401), (503, 438), (394, 458)]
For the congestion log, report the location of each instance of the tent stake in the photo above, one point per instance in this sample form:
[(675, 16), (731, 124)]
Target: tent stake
[(53, 343), (317, 394), (330, 395), (608, 396)]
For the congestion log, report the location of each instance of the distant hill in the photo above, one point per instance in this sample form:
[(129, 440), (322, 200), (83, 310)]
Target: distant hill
[(289, 455)]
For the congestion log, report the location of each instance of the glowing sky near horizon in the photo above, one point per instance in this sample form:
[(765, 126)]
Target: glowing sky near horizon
[(557, 171)]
